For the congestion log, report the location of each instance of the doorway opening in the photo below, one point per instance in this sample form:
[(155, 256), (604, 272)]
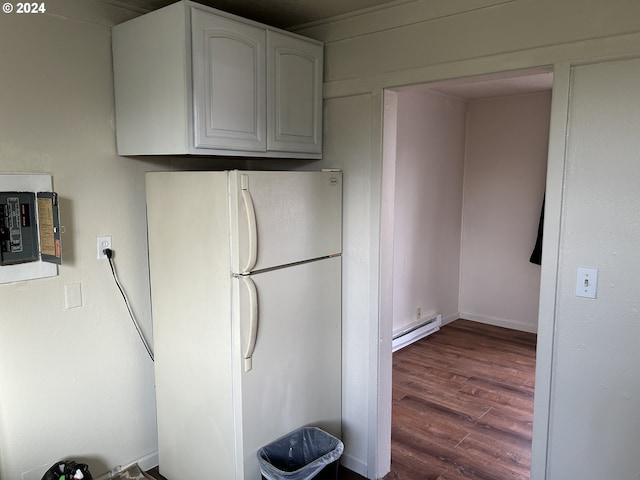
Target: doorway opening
[(464, 170)]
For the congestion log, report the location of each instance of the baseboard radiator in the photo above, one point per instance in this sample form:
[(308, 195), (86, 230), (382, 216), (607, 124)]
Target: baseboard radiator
[(416, 331)]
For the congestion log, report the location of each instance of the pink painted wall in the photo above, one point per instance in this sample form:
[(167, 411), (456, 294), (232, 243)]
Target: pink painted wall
[(505, 168), (469, 182)]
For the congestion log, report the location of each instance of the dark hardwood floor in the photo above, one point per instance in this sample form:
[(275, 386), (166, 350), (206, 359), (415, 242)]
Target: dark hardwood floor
[(155, 473), (463, 405)]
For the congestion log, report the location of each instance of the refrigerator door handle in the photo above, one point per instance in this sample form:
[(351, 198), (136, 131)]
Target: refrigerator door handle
[(253, 322), (251, 223)]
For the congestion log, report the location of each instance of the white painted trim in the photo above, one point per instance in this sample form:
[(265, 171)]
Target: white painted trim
[(355, 464), (556, 165), (396, 14), (450, 318), (385, 320), (148, 461), (584, 51), (380, 356), (466, 68), (499, 322)]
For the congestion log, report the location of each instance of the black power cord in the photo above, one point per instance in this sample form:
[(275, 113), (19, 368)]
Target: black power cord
[(109, 254)]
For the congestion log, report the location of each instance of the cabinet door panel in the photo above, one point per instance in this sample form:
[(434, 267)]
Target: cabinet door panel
[(295, 94), (228, 83)]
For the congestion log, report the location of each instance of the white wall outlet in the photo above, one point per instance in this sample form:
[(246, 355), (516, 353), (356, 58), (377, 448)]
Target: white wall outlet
[(587, 282), (102, 244), (418, 313)]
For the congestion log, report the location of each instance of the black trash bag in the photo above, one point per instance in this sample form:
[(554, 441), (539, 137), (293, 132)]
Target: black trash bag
[(301, 455), (68, 470)]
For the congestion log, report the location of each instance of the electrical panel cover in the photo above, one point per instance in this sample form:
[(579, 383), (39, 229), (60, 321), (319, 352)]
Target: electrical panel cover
[(29, 228)]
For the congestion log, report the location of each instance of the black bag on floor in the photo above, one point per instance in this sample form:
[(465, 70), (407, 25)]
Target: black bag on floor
[(68, 470)]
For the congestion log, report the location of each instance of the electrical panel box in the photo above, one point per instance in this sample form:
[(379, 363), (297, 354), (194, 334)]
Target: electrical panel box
[(29, 227), (18, 239), (30, 230)]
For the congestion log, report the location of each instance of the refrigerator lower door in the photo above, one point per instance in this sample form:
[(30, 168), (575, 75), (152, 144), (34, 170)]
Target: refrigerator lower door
[(295, 378), (279, 218)]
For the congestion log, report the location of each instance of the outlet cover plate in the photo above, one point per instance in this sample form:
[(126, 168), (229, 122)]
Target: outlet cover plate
[(101, 244)]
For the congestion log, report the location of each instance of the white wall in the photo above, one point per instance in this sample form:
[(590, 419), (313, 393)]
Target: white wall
[(505, 169), (423, 41), (595, 427), (347, 141), (429, 165), (76, 383)]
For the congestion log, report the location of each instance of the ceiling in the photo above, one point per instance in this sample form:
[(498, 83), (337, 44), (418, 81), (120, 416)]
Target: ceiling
[(277, 13), (515, 82)]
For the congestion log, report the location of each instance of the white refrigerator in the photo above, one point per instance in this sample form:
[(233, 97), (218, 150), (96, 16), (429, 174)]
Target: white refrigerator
[(245, 272)]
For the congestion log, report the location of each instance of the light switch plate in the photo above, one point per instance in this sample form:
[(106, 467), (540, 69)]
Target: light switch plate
[(72, 295), (587, 282)]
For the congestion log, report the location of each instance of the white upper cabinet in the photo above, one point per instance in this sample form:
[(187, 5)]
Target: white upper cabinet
[(229, 83), (295, 94), (193, 80)]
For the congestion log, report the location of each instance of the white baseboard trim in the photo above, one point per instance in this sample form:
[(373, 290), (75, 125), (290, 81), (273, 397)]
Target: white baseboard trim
[(451, 318), (148, 461), (499, 322), (145, 463), (355, 464)]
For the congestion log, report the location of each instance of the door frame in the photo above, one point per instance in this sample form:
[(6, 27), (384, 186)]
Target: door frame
[(380, 450)]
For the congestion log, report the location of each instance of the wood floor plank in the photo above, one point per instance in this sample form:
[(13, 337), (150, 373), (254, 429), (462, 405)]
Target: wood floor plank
[(493, 459), (476, 360), (415, 366), (432, 428), (417, 453), (497, 394), (508, 424), (463, 405), (516, 455)]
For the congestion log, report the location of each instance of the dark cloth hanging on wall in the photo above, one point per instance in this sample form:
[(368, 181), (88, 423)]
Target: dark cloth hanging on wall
[(536, 255)]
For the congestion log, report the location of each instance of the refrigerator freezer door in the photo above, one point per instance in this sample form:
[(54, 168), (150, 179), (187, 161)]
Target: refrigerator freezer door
[(295, 378), (279, 218)]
